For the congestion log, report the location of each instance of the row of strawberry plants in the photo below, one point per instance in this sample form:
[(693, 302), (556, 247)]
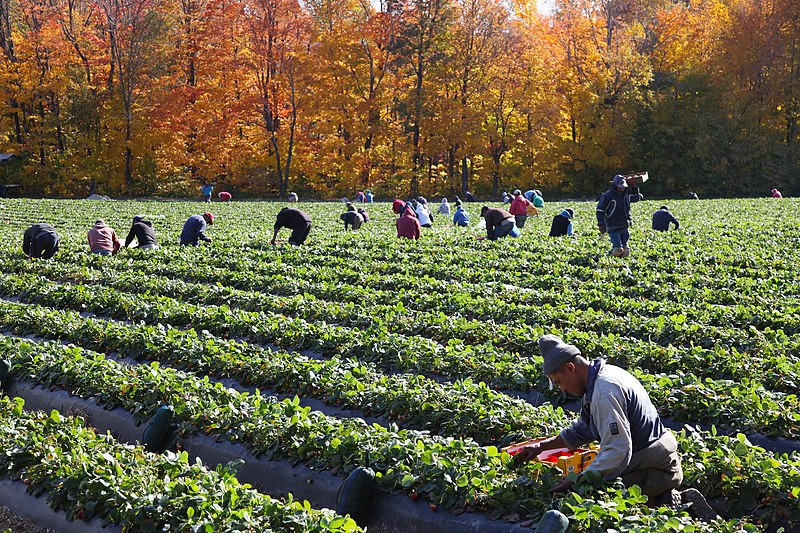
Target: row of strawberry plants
[(777, 370), (773, 360), (90, 475), (462, 408), (516, 333), (450, 472), (396, 351), (383, 289), (686, 395)]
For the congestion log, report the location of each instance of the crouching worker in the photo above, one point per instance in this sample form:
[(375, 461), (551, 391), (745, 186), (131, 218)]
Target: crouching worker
[(142, 231), (562, 223), (103, 239), (499, 223), (351, 217), (617, 412), (663, 218), (40, 241), (194, 230)]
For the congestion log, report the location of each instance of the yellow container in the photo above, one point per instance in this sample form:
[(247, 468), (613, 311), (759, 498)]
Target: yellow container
[(577, 462), (568, 461)]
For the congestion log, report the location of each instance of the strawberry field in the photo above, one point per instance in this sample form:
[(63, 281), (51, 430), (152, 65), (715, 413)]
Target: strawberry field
[(418, 360)]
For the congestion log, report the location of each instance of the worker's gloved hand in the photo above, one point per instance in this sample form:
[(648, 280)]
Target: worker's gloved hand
[(564, 486), (525, 455), (602, 229)]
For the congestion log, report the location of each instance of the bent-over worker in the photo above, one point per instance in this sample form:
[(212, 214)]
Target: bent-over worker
[(40, 241), (297, 221)]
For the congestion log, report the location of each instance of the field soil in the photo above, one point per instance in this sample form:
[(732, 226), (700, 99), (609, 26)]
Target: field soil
[(16, 524)]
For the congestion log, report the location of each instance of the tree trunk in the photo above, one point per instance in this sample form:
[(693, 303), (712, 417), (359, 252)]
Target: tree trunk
[(128, 154), (464, 175), (292, 126), (451, 168)]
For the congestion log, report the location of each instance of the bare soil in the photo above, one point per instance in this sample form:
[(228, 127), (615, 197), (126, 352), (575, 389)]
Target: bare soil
[(10, 521)]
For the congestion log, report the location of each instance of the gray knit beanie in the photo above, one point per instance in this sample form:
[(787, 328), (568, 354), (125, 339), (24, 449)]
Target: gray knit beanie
[(555, 352)]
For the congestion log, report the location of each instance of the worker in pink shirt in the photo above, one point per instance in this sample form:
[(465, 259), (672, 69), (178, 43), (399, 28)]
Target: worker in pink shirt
[(103, 240), (224, 196)]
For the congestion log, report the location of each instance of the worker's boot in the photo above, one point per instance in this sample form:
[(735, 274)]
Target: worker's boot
[(626, 251), (671, 498), (699, 505), (616, 252)]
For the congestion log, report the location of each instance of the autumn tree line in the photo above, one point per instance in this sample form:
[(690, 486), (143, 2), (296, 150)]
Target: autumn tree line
[(325, 97)]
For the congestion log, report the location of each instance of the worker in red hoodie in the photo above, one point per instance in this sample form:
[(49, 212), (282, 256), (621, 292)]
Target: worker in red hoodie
[(519, 207), (407, 224)]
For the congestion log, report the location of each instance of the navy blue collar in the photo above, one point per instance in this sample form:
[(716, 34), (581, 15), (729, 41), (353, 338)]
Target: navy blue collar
[(594, 369), (586, 401)]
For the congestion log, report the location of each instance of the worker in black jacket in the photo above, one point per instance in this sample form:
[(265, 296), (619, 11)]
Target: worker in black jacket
[(297, 221), (142, 231), (40, 240)]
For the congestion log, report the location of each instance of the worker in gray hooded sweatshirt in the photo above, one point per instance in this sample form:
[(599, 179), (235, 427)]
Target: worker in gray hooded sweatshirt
[(617, 412)]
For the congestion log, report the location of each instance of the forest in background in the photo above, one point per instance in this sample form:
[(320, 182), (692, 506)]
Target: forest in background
[(325, 97)]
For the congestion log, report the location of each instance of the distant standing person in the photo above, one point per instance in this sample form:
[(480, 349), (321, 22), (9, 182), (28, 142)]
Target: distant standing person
[(663, 218), (142, 231), (444, 208), (297, 221), (370, 196), (469, 196), (499, 223), (352, 218), (614, 214), (206, 191), (224, 196), (293, 197), (562, 223), (194, 230), (519, 208), (40, 241), (776, 193), (460, 217), (103, 240)]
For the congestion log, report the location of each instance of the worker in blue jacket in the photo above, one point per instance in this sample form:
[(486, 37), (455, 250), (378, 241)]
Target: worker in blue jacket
[(194, 230), (663, 218), (461, 217), (614, 214)]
